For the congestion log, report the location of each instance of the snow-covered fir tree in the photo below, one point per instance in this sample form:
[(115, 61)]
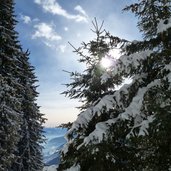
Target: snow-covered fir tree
[(29, 150), (20, 119), (10, 104), (155, 23), (128, 128)]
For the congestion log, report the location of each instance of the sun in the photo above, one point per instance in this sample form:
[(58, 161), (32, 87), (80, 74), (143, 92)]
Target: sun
[(110, 59), (106, 62)]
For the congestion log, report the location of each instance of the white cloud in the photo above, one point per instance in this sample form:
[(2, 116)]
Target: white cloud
[(46, 31), (49, 44), (80, 10), (66, 28), (53, 7), (26, 19), (62, 48), (36, 20)]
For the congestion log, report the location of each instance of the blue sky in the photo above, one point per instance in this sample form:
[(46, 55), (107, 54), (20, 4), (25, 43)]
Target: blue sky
[(46, 26)]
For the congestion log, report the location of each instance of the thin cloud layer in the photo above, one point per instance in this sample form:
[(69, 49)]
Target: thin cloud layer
[(66, 28), (46, 31), (25, 19), (62, 48), (80, 10), (53, 7)]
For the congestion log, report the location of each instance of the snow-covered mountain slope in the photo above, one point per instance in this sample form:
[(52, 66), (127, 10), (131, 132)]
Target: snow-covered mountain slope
[(54, 142), (50, 168)]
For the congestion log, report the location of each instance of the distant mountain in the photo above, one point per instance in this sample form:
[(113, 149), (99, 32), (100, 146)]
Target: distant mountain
[(54, 132), (58, 140), (54, 143)]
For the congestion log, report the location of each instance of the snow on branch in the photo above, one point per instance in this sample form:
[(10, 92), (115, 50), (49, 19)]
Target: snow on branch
[(98, 134), (108, 101), (125, 66), (132, 111), (163, 25), (74, 168), (168, 68), (125, 63)]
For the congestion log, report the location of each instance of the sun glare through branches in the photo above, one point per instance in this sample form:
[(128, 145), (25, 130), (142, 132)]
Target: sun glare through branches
[(110, 59)]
